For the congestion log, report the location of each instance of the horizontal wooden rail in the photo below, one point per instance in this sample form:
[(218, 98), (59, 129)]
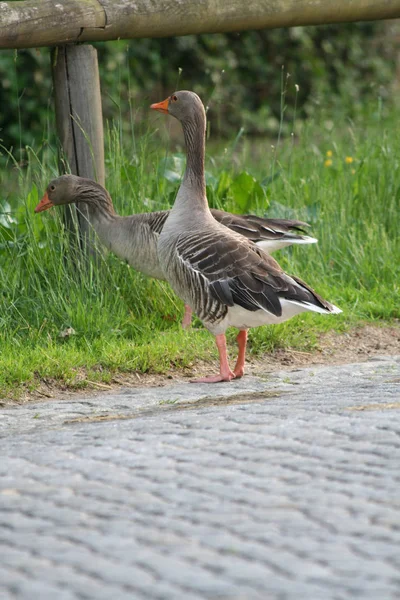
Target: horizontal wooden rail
[(34, 23)]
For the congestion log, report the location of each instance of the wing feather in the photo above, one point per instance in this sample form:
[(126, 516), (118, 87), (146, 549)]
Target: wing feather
[(257, 228), (236, 271)]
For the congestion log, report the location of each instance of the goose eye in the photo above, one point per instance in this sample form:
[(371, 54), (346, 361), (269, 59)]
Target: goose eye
[(52, 188), (174, 99)]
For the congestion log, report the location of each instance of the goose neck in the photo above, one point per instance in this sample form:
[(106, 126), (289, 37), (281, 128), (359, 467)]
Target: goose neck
[(98, 202), (194, 134)]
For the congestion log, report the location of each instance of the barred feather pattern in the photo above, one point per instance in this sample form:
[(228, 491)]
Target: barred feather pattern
[(213, 269), (181, 262)]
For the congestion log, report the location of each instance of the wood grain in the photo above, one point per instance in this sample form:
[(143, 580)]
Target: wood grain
[(34, 23), (79, 118)]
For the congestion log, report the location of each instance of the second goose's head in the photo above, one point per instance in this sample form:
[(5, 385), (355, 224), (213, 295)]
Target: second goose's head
[(183, 105), (71, 188)]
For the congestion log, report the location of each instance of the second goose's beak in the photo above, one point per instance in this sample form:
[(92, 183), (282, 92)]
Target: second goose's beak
[(44, 204), (161, 106)]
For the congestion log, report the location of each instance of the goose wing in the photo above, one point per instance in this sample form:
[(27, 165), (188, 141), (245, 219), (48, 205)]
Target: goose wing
[(257, 228), (250, 226), (238, 272)]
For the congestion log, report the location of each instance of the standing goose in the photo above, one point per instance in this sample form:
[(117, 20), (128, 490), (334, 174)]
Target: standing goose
[(135, 238), (227, 280)]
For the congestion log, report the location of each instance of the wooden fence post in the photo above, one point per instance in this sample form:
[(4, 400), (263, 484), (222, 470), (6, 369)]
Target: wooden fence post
[(79, 120)]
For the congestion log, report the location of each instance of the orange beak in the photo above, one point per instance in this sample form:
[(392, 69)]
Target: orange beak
[(44, 204), (161, 106)]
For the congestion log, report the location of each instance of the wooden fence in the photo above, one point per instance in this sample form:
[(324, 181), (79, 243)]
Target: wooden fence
[(33, 23)]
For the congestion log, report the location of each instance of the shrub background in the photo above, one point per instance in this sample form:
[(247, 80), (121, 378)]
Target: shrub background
[(237, 74)]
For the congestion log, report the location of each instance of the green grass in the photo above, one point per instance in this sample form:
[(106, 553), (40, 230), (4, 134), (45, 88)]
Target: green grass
[(124, 322)]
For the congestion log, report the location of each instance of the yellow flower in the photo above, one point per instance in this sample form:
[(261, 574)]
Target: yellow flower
[(328, 163), (348, 160), (329, 153), (353, 171)]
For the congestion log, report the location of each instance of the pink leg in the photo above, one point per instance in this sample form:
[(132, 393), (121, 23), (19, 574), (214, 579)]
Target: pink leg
[(225, 373), (242, 341), (187, 317)]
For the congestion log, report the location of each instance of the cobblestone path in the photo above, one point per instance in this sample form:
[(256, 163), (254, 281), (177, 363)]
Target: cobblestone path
[(283, 488)]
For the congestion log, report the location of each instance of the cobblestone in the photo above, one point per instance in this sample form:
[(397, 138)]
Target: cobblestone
[(280, 488)]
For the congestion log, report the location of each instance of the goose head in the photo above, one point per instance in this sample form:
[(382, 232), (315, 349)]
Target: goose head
[(184, 106), (71, 188)]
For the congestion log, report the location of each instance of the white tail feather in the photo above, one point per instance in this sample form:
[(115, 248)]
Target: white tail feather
[(305, 239), (308, 306), (273, 245)]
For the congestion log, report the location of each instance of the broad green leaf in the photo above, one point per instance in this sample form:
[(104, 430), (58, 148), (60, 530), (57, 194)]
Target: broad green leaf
[(241, 189)]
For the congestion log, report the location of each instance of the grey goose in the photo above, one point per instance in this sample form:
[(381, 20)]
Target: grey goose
[(226, 279)]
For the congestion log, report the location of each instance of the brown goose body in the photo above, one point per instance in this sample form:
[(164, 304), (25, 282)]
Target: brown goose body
[(226, 279), (134, 238)]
